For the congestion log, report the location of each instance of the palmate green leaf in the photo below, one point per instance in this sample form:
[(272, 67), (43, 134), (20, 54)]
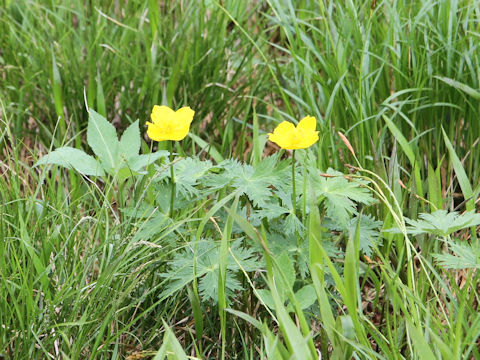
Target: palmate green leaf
[(72, 158), (102, 138), (187, 173), (290, 225), (293, 225), (279, 242), (369, 229), (442, 223), (121, 157), (118, 158), (208, 285), (340, 195), (464, 256), (180, 272), (270, 211), (154, 224), (257, 183)]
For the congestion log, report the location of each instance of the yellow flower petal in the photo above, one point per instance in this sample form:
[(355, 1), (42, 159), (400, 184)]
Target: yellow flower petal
[(179, 133), (168, 124), (284, 127), (154, 132), (287, 136), (161, 113), (307, 123), (184, 115), (281, 134), (308, 139)]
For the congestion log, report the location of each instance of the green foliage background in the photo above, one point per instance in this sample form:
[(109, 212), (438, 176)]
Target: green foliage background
[(379, 258)]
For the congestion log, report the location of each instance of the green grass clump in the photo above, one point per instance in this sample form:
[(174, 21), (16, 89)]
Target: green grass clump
[(362, 246), (57, 57), (360, 64)]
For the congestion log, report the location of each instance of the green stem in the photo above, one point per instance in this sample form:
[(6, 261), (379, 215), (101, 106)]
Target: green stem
[(172, 179), (294, 195), (121, 187), (294, 198)]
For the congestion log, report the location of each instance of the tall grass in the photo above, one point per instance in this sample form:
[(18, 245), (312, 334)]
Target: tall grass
[(122, 58), (356, 64), (74, 281)]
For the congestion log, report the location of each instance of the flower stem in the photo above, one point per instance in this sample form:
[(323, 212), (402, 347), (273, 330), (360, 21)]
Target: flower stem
[(294, 195), (172, 179), (294, 201)]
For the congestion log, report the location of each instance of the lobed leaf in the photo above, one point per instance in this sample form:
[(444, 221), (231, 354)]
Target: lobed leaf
[(102, 138), (340, 195), (129, 146), (72, 158), (442, 222), (464, 256)]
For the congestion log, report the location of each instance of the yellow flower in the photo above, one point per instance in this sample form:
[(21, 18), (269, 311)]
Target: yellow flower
[(287, 136), (168, 124)]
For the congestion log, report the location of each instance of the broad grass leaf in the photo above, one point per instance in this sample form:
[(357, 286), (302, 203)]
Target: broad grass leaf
[(285, 275), (420, 344), (171, 348), (306, 296), (72, 158), (257, 324), (210, 148), (266, 297), (316, 269), (57, 93), (297, 343), (461, 174), (460, 86), (434, 187), (404, 144)]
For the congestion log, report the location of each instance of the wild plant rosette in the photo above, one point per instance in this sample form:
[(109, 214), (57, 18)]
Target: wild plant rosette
[(291, 137), (168, 124)]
